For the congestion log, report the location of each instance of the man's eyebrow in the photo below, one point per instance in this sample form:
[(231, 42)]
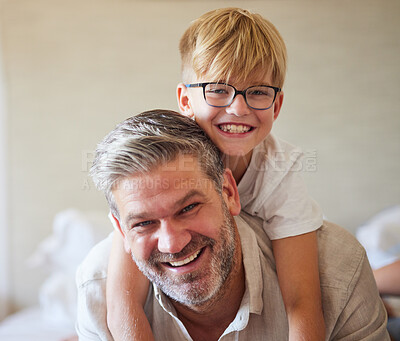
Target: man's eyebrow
[(144, 216), (192, 193), (133, 216)]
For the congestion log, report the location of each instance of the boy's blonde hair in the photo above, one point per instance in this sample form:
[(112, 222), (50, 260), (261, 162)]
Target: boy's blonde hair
[(232, 42)]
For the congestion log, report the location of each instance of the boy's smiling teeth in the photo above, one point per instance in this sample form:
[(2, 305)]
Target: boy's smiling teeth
[(234, 128), (186, 260)]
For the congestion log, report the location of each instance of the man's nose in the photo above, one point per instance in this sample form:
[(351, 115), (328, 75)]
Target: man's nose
[(238, 107), (172, 236)]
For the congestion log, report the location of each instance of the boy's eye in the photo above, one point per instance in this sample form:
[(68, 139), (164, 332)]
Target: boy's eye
[(257, 92), (217, 89), (260, 92), (189, 208)]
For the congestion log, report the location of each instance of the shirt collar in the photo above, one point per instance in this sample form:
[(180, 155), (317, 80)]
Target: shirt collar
[(252, 266)]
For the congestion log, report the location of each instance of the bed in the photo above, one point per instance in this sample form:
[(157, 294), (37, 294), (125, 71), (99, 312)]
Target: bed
[(30, 325), (380, 237)]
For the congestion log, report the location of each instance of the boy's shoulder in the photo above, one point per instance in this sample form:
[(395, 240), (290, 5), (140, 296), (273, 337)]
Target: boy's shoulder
[(272, 160), (273, 187), (273, 147)]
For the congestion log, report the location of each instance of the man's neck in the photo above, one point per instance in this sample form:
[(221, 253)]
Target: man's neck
[(208, 321)]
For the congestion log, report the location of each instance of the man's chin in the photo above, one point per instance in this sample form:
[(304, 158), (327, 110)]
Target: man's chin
[(193, 294), (190, 289)]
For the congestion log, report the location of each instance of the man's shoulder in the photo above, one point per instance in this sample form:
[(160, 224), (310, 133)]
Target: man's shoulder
[(337, 235), (94, 266), (340, 256)]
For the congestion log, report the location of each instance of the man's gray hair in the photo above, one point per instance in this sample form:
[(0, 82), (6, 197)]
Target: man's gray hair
[(148, 140)]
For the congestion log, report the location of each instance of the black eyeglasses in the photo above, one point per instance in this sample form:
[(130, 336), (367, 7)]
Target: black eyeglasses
[(260, 97)]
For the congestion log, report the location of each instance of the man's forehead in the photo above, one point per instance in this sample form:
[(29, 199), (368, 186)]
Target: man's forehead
[(167, 180), (172, 178), (183, 163)]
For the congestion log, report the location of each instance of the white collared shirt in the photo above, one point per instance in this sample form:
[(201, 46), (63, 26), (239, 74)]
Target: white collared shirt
[(273, 189)]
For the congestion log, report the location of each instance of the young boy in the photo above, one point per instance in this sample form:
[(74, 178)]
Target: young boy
[(233, 69)]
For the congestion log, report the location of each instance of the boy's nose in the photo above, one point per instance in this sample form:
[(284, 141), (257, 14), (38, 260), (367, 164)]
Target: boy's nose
[(172, 237), (239, 106)]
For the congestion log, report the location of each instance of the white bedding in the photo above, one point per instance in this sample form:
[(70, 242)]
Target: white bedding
[(74, 234), (380, 237), (30, 325)]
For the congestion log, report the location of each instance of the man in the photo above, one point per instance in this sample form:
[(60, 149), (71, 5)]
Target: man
[(213, 276)]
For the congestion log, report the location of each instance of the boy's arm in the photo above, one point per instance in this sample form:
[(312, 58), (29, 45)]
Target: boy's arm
[(127, 290), (297, 268)]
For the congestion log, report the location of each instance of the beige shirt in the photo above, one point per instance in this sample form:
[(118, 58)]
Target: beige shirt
[(352, 307)]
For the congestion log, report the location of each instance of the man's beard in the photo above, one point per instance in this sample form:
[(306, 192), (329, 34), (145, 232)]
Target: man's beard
[(197, 287)]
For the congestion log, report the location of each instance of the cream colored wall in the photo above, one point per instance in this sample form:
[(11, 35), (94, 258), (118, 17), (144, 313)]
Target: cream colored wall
[(4, 230), (73, 69)]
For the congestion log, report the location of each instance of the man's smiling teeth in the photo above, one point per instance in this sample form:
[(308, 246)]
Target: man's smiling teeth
[(186, 260), (235, 129)]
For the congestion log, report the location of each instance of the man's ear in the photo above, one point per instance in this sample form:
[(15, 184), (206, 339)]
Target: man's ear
[(116, 224), (278, 104), (184, 100), (230, 193)]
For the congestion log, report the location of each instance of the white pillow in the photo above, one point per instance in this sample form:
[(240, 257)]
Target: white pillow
[(74, 234)]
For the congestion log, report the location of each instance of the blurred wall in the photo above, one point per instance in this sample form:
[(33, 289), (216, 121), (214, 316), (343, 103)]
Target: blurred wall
[(5, 289), (73, 69)]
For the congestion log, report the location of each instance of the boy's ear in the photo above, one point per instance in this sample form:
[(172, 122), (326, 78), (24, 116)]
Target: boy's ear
[(184, 100), (278, 104), (230, 193)]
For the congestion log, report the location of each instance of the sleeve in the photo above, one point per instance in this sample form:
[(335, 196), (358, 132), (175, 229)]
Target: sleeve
[(91, 324), (91, 278), (364, 316), (289, 210)]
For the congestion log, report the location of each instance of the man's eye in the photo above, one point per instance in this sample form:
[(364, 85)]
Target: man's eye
[(143, 223), (189, 208)]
